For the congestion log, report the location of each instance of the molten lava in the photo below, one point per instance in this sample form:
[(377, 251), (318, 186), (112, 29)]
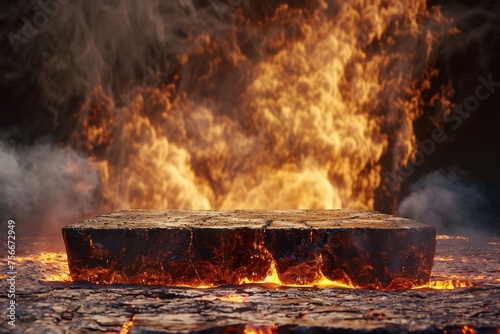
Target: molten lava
[(200, 248), (54, 264), (126, 327), (251, 329), (272, 279)]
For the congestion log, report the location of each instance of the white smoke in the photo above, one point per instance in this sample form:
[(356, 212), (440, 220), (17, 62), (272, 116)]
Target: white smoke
[(43, 187), (447, 200)]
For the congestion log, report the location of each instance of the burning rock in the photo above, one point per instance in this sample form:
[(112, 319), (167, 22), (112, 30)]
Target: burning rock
[(341, 248)]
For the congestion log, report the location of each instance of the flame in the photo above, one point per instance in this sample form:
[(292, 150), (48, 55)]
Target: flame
[(272, 279), (467, 330), (305, 111), (126, 327), (446, 285), (251, 329), (451, 284), (54, 264), (54, 268)]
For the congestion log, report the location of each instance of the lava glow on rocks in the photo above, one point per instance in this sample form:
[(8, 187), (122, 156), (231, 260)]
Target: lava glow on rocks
[(54, 268)]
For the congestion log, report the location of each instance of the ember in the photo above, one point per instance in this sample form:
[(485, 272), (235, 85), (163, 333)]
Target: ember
[(55, 264), (249, 329), (126, 327)]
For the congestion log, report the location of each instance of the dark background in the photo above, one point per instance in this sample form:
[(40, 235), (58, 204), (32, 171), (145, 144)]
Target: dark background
[(475, 146)]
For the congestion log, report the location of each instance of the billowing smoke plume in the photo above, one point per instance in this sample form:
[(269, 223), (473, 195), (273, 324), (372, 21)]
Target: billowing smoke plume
[(63, 48), (54, 52), (211, 104), (43, 187), (449, 201)]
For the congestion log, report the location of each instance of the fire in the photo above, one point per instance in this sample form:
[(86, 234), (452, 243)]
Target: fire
[(54, 264), (451, 284), (446, 285), (304, 109), (126, 327), (272, 279), (54, 267), (251, 329), (468, 330), (323, 282)]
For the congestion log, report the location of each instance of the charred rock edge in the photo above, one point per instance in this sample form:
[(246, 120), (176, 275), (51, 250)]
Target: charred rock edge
[(109, 250)]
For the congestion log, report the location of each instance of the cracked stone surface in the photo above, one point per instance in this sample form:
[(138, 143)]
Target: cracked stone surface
[(212, 248)]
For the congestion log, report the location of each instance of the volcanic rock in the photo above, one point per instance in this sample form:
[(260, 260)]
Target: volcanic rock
[(354, 248)]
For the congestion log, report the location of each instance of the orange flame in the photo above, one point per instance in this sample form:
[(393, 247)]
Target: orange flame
[(55, 269), (446, 285), (468, 330), (273, 279), (311, 122), (126, 327), (251, 329), (55, 265)]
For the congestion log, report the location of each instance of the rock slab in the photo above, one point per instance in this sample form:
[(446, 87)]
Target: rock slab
[(364, 249)]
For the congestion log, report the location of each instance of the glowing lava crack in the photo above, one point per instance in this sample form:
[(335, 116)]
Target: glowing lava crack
[(337, 248)]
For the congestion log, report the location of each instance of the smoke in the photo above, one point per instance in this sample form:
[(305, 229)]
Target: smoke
[(60, 50), (55, 52), (449, 201), (43, 187), (478, 24)]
